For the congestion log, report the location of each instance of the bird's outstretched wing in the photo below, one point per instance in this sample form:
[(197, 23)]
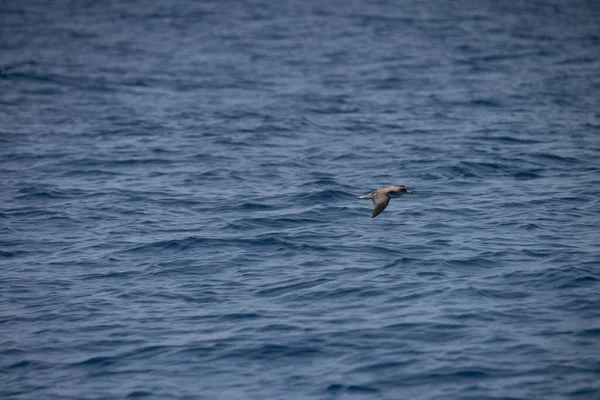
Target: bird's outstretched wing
[(368, 195), (380, 202)]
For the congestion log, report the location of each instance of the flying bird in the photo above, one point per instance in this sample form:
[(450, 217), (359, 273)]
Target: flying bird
[(381, 197)]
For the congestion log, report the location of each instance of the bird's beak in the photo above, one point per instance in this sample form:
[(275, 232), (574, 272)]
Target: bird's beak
[(409, 191)]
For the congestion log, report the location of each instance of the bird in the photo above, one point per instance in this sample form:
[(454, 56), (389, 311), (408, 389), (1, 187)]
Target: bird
[(381, 197)]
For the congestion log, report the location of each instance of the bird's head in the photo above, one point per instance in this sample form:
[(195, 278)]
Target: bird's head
[(399, 190)]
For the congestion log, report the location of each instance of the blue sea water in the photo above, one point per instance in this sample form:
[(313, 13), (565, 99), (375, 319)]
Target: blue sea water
[(178, 216)]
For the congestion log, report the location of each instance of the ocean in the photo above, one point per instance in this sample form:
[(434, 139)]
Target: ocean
[(178, 212)]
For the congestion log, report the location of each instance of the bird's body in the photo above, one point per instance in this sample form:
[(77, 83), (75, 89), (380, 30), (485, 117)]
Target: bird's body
[(381, 197)]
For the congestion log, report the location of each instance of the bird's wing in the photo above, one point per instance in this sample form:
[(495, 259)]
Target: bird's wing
[(368, 195), (380, 202)]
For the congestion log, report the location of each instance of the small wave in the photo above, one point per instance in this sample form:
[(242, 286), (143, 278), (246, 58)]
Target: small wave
[(271, 222), (557, 158), (138, 394), (381, 366), (507, 139), (554, 278), (336, 388), (456, 171), (110, 275), (273, 352), (33, 192), (529, 227), (485, 103), (594, 332), (220, 244), (255, 206), (483, 167), (173, 244), (288, 287), (324, 196), (96, 361), (525, 176), (467, 373), (23, 364), (475, 261)]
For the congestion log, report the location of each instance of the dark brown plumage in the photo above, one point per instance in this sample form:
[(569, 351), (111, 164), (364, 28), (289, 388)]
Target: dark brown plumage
[(381, 197)]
